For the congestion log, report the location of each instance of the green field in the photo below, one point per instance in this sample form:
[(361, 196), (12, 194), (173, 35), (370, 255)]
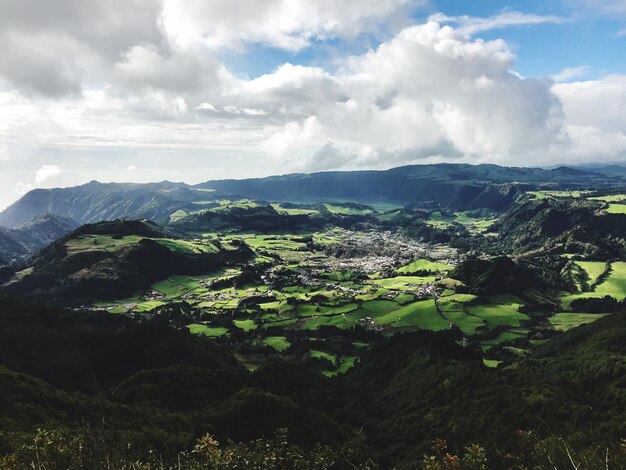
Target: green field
[(594, 269), (279, 343), (345, 364), (100, 242), (503, 338), (204, 330), (175, 286), (111, 244), (187, 247), (347, 210), (230, 203), (491, 363), (565, 321), (311, 310), (322, 355), (609, 198), (245, 325), (393, 215), (403, 282), (456, 313), (557, 194), (343, 321), (377, 308), (420, 315), (338, 295), (424, 265), (616, 209), (437, 220), (293, 211), (388, 302), (498, 314), (614, 285), (474, 224), (178, 215)]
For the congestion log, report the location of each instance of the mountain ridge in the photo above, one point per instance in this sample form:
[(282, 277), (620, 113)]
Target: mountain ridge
[(444, 183)]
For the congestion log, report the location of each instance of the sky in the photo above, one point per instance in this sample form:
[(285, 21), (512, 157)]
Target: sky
[(194, 90)]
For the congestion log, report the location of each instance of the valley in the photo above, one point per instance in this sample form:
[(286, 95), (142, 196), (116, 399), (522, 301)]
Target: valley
[(336, 290)]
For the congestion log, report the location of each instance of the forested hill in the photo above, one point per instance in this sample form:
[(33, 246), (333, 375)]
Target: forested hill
[(460, 185), (160, 388), (439, 182)]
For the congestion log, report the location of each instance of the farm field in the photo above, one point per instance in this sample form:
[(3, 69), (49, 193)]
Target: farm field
[(566, 321), (437, 220), (594, 270), (204, 330), (609, 198), (100, 242), (279, 343), (310, 297), (557, 194), (302, 284), (616, 209), (473, 223), (424, 265), (498, 314), (614, 285)]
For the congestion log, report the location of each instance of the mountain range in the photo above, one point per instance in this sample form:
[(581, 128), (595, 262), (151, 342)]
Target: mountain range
[(460, 185)]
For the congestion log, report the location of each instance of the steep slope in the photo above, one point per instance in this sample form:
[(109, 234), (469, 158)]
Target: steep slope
[(12, 247), (428, 387), (149, 383), (42, 230), (575, 226), (92, 352), (94, 202), (497, 197), (16, 244)]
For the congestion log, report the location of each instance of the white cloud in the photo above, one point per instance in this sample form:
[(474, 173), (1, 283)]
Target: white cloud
[(292, 139), (206, 107), (22, 188), (471, 25), (46, 64), (46, 172), (570, 73), (429, 92), (285, 24), (58, 48), (595, 119), (132, 168), (145, 68)]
